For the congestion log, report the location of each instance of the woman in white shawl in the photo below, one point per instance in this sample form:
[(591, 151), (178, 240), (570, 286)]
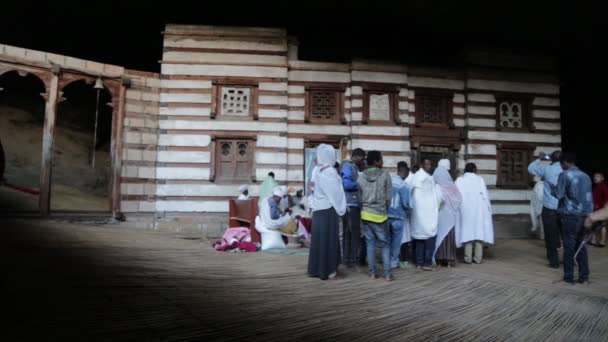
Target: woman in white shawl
[(445, 245), (475, 224), (329, 204)]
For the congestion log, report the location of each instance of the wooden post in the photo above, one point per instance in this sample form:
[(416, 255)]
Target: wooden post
[(50, 114), (116, 146)]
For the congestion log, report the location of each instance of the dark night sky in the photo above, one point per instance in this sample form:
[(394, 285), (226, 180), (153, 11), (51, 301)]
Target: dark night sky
[(128, 33)]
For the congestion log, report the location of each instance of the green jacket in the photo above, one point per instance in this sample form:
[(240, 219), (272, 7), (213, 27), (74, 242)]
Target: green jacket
[(376, 190)]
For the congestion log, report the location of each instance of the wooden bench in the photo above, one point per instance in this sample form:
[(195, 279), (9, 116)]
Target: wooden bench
[(242, 213)]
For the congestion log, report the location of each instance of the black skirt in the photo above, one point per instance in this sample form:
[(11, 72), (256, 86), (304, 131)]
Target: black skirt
[(324, 255)]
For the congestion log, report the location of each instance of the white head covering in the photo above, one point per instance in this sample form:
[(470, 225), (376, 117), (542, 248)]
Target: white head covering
[(328, 184), (326, 155), (278, 191), (283, 190), (445, 163), (451, 195), (243, 187)]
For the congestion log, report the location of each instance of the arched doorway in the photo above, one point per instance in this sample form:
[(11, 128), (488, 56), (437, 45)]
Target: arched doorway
[(81, 164), (21, 126)]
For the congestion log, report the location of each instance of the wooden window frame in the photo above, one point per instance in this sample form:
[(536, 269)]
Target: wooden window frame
[(340, 141), (339, 93), (526, 102), (513, 146), (448, 94), (393, 94), (215, 156), (216, 98)]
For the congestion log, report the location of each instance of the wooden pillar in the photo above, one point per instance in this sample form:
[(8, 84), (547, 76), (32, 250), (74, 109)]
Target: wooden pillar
[(116, 146), (50, 114)]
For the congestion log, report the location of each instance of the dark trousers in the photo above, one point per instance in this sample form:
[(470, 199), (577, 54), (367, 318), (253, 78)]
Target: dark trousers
[(407, 250), (552, 227), (424, 251), (351, 236), (573, 233), (362, 251)]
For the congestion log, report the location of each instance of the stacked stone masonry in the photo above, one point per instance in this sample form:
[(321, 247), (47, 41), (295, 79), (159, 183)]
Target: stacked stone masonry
[(247, 85)]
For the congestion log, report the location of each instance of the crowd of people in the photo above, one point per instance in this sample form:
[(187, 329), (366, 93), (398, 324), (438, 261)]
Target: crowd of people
[(415, 217), (418, 217), (573, 211)]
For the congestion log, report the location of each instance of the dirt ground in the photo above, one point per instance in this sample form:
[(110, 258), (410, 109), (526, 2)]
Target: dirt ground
[(65, 281), (75, 184)]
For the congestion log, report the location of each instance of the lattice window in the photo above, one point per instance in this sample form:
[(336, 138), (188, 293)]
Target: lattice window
[(324, 105), (513, 167), (511, 114), (235, 101), (432, 109), (234, 159)]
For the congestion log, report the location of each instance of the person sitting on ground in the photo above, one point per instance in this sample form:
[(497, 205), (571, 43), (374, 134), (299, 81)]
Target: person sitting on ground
[(600, 198), (271, 222), (285, 202), (297, 198), (244, 192)]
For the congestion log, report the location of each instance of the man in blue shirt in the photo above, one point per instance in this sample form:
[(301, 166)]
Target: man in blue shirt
[(573, 192), (398, 212), (549, 174), (351, 224)]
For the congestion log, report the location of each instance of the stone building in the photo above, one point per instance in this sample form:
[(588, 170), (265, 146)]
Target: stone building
[(232, 104)]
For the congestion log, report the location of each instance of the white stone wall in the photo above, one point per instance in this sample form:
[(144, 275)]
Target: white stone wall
[(195, 57)]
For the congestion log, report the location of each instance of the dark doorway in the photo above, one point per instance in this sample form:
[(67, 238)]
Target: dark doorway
[(435, 154), (81, 174), (21, 125)]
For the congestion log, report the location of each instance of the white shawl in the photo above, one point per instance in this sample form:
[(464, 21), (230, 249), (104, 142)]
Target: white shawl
[(452, 200), (426, 197), (328, 191), (475, 212)]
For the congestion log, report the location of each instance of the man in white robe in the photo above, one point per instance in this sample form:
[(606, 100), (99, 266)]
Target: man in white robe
[(270, 221), (426, 199), (475, 225)]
